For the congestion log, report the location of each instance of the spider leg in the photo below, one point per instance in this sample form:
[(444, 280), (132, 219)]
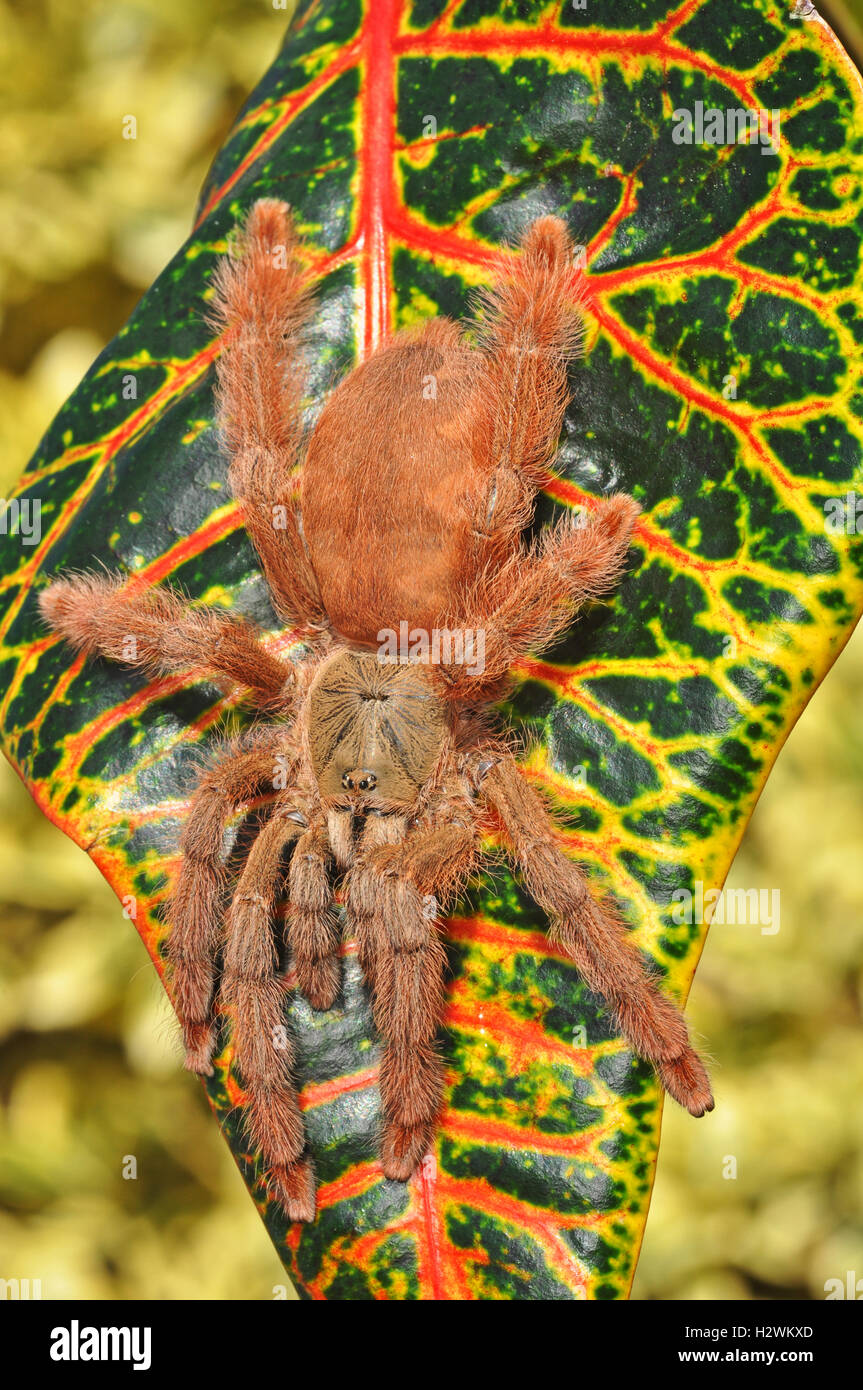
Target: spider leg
[(313, 928), (197, 900), (390, 903), (536, 593), (521, 597), (363, 910), (159, 633), (594, 935), (529, 331), (262, 1047), (262, 301)]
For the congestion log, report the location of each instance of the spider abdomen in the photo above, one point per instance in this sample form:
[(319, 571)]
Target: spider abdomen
[(386, 485)]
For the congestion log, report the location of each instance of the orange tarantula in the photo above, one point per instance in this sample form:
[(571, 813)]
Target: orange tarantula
[(408, 514)]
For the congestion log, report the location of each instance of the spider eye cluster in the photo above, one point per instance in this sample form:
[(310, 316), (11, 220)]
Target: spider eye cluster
[(361, 780)]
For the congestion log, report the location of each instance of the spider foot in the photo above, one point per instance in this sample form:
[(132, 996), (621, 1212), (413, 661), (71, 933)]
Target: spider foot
[(71, 606), (403, 1149), (686, 1079), (293, 1187), (617, 515), (547, 239), (199, 1049), (320, 982)]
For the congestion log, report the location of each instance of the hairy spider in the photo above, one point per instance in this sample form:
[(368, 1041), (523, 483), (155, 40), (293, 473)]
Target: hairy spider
[(417, 484)]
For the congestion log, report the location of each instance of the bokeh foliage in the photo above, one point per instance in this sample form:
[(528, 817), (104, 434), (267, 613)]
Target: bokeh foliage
[(724, 1194)]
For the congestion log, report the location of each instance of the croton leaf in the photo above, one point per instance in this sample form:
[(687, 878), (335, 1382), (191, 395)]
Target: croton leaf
[(721, 261)]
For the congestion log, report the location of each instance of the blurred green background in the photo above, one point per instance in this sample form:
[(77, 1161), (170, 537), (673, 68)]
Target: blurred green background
[(90, 1061)]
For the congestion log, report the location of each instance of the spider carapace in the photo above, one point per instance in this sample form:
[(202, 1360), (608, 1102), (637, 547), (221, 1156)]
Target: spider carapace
[(392, 539)]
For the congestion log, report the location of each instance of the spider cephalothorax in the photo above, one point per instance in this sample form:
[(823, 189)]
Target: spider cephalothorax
[(376, 731), (406, 517)]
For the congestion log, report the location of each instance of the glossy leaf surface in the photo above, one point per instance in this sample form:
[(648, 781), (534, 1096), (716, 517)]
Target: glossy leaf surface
[(721, 387)]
